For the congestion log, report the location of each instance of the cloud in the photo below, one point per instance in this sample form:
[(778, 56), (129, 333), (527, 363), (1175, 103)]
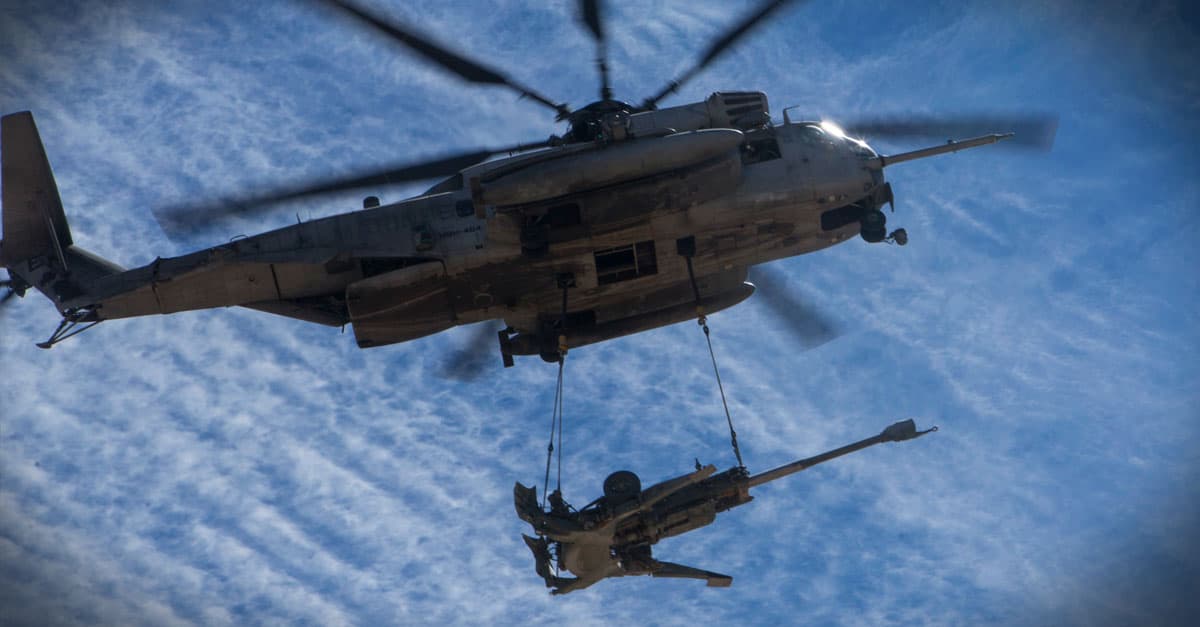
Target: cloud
[(228, 467)]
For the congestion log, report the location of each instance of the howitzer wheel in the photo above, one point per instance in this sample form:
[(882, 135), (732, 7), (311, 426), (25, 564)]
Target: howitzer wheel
[(622, 486)]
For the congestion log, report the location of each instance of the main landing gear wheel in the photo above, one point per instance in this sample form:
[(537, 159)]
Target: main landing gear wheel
[(873, 226)]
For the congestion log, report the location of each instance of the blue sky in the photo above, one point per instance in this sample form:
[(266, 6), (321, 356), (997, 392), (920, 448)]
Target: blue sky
[(231, 467)]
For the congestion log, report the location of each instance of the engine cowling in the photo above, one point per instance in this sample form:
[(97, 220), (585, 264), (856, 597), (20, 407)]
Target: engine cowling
[(573, 172), (400, 305)]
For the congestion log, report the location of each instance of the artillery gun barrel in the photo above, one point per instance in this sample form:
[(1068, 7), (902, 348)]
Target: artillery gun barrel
[(903, 430)]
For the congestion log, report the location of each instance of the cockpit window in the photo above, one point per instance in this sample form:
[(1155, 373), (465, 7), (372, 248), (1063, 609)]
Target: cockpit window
[(814, 134), (861, 148), (829, 134)]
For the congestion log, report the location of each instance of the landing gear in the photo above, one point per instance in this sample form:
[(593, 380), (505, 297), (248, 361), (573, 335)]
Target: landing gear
[(873, 226), (550, 340), (74, 322)]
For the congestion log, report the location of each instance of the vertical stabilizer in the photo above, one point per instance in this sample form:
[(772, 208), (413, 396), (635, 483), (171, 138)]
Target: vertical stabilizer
[(37, 248), (34, 222)]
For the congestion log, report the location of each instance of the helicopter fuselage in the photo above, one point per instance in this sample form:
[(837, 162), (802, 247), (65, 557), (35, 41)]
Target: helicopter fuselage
[(608, 221)]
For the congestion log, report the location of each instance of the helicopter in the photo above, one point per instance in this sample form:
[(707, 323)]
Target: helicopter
[(613, 535), (635, 218)]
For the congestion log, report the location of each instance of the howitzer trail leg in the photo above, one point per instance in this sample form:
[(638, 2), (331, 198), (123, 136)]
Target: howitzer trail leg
[(679, 571), (541, 556), (559, 585), (567, 584)]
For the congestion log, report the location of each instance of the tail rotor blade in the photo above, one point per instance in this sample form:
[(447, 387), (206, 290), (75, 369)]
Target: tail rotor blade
[(808, 326)]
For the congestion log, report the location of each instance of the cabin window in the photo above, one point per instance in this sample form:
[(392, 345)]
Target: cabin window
[(562, 215), (464, 208), (626, 262)]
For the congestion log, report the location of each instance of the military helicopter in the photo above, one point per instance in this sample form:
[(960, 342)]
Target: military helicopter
[(612, 536), (630, 220)]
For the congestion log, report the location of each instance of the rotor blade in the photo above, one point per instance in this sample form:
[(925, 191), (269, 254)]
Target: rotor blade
[(590, 14), (808, 326), (176, 220), (471, 361), (1032, 130), (466, 68), (718, 46)]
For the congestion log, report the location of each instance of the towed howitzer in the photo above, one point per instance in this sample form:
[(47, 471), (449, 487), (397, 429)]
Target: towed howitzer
[(612, 536)]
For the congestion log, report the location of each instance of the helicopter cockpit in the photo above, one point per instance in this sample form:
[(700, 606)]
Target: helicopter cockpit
[(858, 146), (830, 134)]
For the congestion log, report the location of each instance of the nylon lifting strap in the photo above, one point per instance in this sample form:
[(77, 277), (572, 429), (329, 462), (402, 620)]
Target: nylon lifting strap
[(702, 320), (555, 428), (556, 418)]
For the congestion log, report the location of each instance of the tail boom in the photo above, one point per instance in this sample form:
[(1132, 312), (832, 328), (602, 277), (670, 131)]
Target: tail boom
[(37, 247)]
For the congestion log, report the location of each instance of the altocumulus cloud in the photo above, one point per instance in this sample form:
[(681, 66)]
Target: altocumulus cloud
[(229, 467)]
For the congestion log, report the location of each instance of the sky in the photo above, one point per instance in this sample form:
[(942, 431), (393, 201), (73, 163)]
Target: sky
[(233, 467)]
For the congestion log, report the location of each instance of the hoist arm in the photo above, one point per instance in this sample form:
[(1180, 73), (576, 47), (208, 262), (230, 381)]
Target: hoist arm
[(903, 430)]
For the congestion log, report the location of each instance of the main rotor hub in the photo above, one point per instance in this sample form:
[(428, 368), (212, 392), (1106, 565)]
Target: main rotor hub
[(603, 119)]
